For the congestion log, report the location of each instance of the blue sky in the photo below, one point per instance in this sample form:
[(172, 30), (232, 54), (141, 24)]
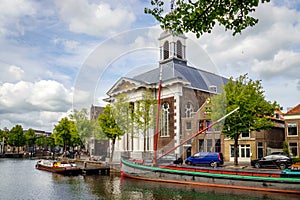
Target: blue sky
[(60, 54)]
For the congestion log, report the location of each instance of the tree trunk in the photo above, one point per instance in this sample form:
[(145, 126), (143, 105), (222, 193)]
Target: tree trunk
[(112, 149), (144, 140), (236, 141)]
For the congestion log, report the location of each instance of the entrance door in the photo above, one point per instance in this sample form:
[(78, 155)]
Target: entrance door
[(188, 152)]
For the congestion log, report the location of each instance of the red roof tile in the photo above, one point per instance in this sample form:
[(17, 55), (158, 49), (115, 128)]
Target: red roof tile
[(295, 110)]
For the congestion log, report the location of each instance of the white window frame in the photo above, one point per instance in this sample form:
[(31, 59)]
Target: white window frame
[(292, 124), (165, 120)]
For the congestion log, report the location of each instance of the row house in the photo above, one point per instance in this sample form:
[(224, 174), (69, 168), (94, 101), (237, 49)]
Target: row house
[(252, 145), (292, 132)]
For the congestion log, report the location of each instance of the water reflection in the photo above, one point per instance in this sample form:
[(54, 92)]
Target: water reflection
[(20, 180)]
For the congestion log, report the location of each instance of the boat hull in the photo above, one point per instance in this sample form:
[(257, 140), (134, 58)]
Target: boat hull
[(258, 183), (59, 170)]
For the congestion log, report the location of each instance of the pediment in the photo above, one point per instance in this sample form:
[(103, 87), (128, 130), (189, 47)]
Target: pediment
[(122, 85)]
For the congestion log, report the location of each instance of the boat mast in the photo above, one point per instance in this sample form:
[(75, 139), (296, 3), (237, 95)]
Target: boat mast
[(157, 116), (197, 133)]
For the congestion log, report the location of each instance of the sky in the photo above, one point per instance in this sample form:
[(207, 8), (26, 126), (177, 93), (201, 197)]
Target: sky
[(57, 55)]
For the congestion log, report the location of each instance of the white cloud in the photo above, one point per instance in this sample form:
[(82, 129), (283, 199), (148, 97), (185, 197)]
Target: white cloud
[(284, 63), (36, 105), (94, 19), (22, 97), (12, 11)]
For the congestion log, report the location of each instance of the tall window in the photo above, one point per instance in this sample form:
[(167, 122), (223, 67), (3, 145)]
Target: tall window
[(179, 49), (294, 148), (201, 125), (165, 120), (201, 145), (188, 110), (260, 149), (218, 145), (166, 50), (188, 125), (292, 129), (208, 123), (209, 145)]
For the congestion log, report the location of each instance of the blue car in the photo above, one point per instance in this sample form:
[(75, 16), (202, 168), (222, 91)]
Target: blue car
[(206, 158)]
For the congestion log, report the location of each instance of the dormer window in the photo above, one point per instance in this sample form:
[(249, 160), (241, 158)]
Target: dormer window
[(213, 88), (179, 50), (166, 50)]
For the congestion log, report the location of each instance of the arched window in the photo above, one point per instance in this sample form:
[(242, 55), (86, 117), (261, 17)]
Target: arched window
[(179, 49), (166, 50), (165, 120), (188, 110)]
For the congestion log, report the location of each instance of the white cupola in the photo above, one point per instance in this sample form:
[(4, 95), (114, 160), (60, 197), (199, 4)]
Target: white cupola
[(172, 46)]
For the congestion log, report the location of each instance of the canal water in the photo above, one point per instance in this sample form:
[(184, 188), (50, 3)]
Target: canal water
[(20, 180)]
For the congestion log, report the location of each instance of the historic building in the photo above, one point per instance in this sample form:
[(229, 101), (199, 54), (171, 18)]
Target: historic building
[(292, 131), (97, 148), (257, 144), (184, 90)]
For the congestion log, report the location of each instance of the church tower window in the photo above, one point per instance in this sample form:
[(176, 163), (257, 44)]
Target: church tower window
[(188, 110), (166, 50), (165, 120), (179, 49)]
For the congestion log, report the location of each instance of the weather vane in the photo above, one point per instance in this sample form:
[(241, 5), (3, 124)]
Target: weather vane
[(172, 5)]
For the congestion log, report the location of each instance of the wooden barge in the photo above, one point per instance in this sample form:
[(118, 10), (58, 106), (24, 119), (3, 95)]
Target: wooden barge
[(215, 177)]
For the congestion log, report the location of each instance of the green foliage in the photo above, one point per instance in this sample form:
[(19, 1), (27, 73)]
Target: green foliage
[(144, 114), (4, 134), (16, 136), (30, 137), (201, 16), (108, 124), (285, 149), (65, 133), (254, 114), (40, 141), (85, 127)]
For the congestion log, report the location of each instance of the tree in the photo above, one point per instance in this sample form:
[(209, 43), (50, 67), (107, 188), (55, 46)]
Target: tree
[(16, 137), (285, 149), (30, 138), (201, 16), (143, 116), (126, 116), (254, 112), (109, 126), (3, 138), (65, 133), (83, 125)]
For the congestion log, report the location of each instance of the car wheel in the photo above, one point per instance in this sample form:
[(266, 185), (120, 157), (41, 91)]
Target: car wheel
[(257, 165), (189, 163), (282, 165), (213, 164)]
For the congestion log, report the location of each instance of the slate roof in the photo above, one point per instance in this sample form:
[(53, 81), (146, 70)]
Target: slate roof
[(198, 79), (295, 110)]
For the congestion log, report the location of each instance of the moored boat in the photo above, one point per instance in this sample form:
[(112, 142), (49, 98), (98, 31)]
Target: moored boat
[(58, 167), (236, 179)]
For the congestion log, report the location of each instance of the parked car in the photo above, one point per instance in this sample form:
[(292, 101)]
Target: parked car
[(206, 158), (272, 161)]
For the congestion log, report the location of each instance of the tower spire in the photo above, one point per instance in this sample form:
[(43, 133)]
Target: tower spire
[(172, 5)]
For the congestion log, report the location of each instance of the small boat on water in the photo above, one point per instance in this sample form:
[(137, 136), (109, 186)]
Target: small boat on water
[(255, 180), (58, 167), (293, 172)]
